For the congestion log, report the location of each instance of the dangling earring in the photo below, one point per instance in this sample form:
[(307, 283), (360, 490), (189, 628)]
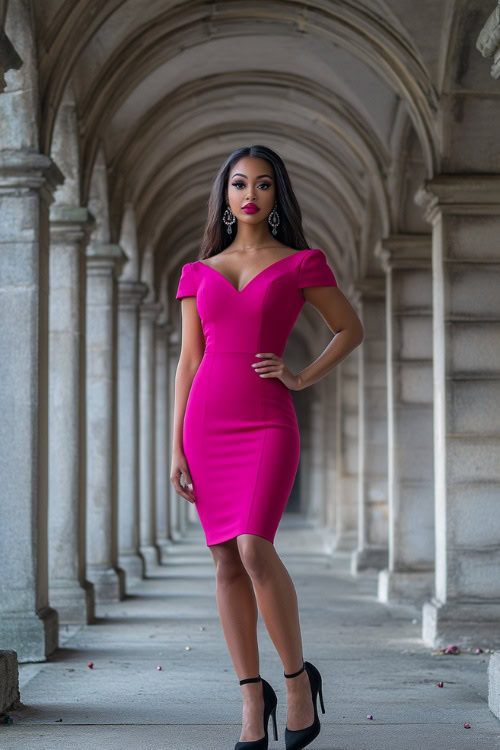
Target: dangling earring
[(274, 218), (228, 218)]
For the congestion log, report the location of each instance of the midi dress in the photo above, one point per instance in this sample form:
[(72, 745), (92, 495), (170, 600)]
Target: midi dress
[(240, 433)]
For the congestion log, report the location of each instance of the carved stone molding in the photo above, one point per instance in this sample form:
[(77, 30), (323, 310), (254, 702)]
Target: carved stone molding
[(488, 41), (405, 251)]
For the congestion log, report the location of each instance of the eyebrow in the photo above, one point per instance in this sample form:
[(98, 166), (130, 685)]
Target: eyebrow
[(257, 178)]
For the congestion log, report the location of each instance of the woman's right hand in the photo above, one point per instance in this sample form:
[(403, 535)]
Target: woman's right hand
[(179, 467)]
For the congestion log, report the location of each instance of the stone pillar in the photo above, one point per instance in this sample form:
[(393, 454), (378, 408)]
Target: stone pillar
[(372, 547), (465, 214), (70, 592), (27, 624), (148, 313), (330, 449), (130, 295), (494, 683), (406, 260), (313, 493), (346, 511), (103, 262), (174, 499), (162, 425)]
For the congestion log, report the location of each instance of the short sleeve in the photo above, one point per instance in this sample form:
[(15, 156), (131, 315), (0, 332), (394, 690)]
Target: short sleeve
[(315, 271), (187, 283)]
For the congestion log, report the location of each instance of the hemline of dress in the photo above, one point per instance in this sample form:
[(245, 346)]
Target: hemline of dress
[(228, 538)]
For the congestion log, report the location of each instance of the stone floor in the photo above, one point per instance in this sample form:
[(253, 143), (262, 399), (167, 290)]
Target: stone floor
[(370, 656)]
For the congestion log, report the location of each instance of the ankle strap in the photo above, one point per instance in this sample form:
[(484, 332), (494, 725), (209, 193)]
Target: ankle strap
[(294, 674), (250, 679)]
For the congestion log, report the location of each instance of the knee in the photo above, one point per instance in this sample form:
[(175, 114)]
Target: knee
[(253, 559), (228, 568)]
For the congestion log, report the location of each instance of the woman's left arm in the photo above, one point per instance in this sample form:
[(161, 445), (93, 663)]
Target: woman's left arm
[(341, 318)]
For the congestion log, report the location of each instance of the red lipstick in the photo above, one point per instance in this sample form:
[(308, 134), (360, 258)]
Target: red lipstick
[(251, 208)]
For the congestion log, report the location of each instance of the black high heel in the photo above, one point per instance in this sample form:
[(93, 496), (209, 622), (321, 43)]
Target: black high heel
[(270, 703), (297, 739)]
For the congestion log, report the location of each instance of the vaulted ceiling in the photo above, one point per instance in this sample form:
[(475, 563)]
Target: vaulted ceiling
[(346, 91)]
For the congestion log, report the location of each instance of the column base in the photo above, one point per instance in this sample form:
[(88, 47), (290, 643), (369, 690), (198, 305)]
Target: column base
[(74, 602), (32, 636), (9, 680), (176, 536), (345, 542), (494, 684), (151, 557), (466, 625), (369, 557), (134, 566), (109, 583), (405, 588), (166, 546)]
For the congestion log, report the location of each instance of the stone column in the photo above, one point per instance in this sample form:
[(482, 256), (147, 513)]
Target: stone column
[(465, 214), (346, 511), (330, 450), (70, 592), (27, 624), (372, 547), (406, 260), (162, 424), (148, 313), (174, 499), (103, 263), (130, 295), (313, 493)]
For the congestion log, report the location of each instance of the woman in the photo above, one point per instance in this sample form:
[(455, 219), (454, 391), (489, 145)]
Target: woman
[(236, 439)]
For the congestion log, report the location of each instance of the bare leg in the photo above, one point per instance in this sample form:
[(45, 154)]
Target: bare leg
[(277, 602), (238, 614)]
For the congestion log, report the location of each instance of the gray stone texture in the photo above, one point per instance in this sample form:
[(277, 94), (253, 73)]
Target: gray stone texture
[(410, 572)]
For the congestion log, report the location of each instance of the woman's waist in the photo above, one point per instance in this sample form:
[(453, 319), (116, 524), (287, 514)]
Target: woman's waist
[(237, 353)]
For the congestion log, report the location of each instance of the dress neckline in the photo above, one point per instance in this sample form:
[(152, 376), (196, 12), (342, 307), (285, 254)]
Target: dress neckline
[(271, 265)]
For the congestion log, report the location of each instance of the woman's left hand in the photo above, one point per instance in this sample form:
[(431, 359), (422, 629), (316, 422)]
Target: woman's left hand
[(272, 366)]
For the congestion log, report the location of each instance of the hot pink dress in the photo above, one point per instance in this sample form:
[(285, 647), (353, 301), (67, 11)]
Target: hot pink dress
[(240, 434)]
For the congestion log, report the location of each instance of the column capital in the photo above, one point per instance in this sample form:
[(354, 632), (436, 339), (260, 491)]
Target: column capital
[(103, 256), (370, 287), (29, 171), (150, 310), (488, 41), (459, 194), (405, 251), (165, 327), (131, 293), (70, 224)]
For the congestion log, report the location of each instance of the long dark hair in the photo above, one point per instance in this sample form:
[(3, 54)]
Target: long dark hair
[(289, 230)]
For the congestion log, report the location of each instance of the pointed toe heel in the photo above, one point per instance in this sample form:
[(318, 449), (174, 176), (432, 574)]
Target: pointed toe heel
[(297, 739), (270, 704)]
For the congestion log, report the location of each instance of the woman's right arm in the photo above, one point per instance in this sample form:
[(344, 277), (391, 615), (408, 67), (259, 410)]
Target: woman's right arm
[(192, 350)]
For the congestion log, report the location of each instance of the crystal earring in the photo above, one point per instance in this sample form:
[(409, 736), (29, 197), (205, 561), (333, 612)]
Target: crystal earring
[(274, 219), (228, 218)]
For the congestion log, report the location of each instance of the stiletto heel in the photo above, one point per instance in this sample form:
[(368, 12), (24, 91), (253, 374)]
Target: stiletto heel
[(321, 697), (297, 739), (270, 704)]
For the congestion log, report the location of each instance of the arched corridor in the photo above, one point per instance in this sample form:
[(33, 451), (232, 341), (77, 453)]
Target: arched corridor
[(114, 118)]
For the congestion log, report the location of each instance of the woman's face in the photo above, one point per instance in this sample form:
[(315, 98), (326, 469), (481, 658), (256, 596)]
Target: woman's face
[(251, 180)]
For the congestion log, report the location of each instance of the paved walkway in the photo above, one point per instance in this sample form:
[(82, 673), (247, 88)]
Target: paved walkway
[(371, 658)]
